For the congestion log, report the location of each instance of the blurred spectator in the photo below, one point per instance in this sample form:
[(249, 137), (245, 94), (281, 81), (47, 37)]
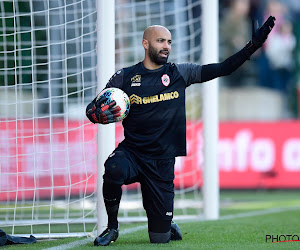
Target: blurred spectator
[(274, 8), (235, 33), (277, 64), (279, 51), (294, 8), (279, 10)]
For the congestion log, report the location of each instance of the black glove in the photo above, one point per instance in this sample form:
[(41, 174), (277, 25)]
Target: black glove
[(259, 36), (97, 112)]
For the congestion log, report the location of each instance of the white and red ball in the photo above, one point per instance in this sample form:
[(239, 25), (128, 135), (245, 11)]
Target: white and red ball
[(121, 98)]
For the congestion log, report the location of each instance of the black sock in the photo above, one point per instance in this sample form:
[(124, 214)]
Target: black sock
[(112, 196)]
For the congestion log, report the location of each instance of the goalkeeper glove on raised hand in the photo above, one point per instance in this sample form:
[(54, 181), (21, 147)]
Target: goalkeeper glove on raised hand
[(97, 112), (259, 36)]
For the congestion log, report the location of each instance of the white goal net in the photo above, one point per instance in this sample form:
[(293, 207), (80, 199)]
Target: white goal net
[(48, 148)]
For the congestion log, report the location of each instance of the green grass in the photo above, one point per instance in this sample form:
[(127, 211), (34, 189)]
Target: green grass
[(237, 233), (247, 201)]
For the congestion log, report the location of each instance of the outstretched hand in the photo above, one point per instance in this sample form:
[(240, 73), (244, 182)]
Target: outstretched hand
[(260, 35), (103, 113)]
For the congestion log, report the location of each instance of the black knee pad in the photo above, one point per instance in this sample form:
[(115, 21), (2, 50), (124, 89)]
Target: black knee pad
[(160, 237), (115, 172)]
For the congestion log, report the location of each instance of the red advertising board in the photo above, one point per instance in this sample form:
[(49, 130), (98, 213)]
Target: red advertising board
[(261, 155), (40, 159), (251, 155)]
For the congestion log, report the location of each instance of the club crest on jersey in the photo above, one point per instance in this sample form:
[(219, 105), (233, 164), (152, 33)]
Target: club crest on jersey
[(136, 81), (165, 79)]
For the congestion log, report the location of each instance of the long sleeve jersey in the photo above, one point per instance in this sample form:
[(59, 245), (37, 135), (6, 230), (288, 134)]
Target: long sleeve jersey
[(156, 124)]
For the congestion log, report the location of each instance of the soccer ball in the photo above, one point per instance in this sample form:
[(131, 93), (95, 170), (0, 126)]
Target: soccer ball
[(121, 98)]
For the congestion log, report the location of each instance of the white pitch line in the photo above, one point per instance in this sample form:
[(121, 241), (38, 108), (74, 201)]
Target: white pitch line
[(135, 229), (88, 240), (72, 244), (259, 212)]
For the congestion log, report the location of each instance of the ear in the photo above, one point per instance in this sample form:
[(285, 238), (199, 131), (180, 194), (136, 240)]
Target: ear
[(145, 44)]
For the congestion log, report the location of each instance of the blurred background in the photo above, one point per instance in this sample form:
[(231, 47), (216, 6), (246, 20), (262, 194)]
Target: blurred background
[(270, 80)]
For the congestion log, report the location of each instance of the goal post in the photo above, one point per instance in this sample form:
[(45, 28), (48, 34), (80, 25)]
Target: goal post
[(105, 69), (210, 40), (55, 56)]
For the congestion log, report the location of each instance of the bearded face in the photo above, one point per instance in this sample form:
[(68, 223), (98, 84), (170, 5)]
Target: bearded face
[(159, 57)]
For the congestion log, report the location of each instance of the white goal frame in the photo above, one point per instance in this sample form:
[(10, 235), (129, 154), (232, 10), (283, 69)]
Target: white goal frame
[(210, 44), (105, 69)]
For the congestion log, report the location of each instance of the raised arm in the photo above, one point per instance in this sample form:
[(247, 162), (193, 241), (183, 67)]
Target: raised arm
[(259, 36)]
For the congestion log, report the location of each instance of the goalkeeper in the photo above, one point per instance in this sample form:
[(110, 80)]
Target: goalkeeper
[(155, 129)]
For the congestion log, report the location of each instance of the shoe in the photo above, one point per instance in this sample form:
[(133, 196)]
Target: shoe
[(108, 236), (175, 232)]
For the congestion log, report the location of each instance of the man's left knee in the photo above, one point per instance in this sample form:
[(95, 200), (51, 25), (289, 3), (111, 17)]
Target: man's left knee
[(160, 237)]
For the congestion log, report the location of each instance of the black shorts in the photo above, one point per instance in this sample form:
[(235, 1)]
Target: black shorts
[(155, 176)]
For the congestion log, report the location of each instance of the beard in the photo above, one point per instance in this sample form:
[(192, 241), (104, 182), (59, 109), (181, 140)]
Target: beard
[(155, 57)]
